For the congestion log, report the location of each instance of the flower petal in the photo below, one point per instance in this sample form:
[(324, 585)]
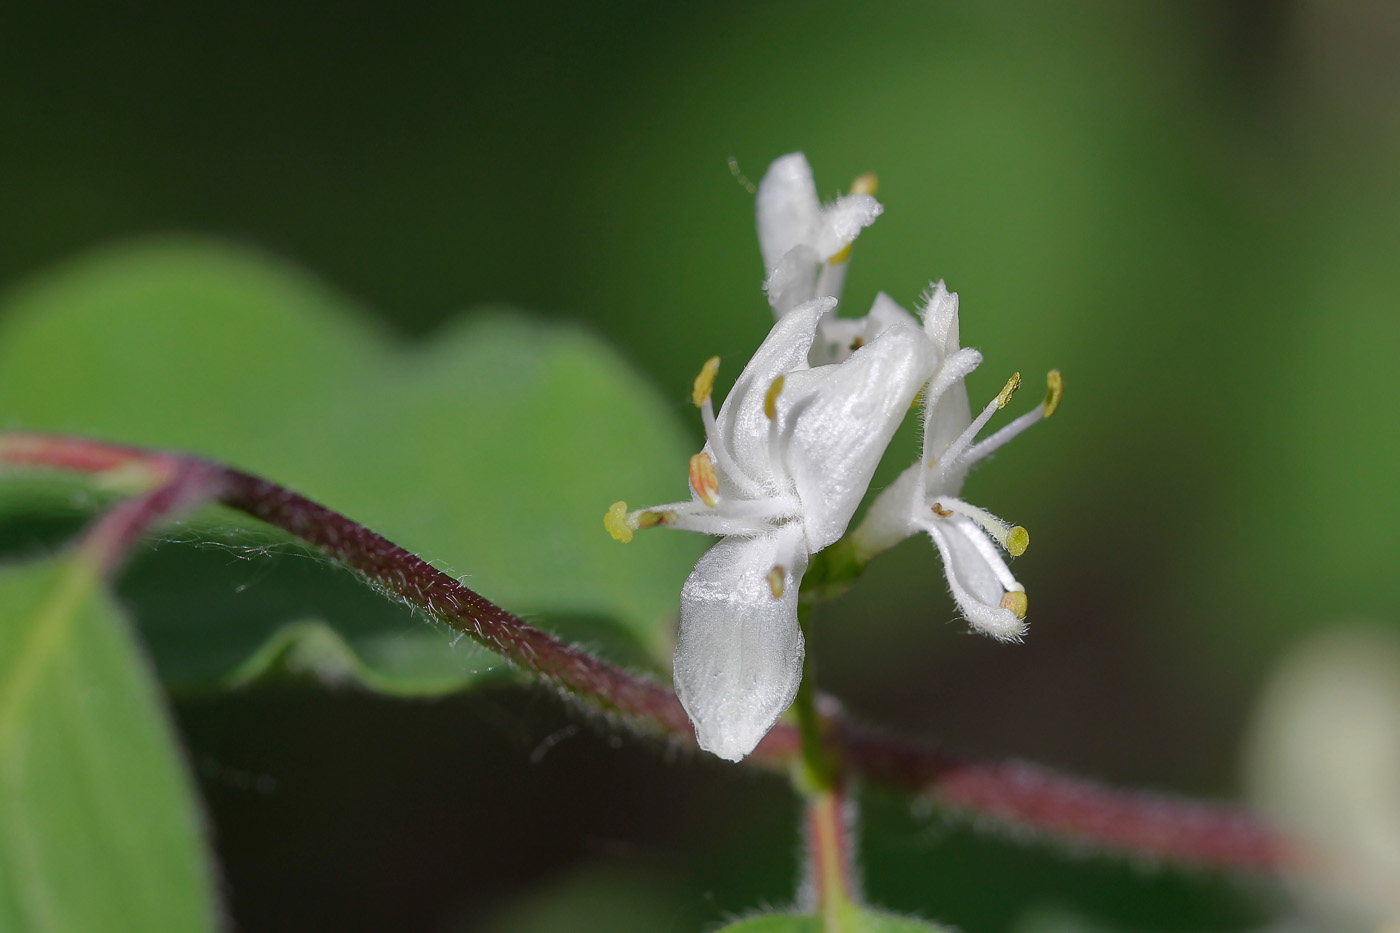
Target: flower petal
[(793, 280), (788, 207), (838, 420), (842, 221), (839, 337), (739, 656), (975, 585), (947, 413), (940, 315), (741, 423)]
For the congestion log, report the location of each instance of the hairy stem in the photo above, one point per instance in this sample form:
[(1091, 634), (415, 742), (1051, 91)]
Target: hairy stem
[(1010, 794)]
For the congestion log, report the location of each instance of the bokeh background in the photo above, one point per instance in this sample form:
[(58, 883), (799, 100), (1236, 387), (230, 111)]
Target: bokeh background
[(1192, 209)]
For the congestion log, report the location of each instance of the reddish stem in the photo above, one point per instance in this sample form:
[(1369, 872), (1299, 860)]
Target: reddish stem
[(1016, 795)]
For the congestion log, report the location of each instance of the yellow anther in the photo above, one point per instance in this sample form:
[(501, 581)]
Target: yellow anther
[(841, 256), (703, 479), (705, 382), (1017, 540), (616, 522), (1008, 390), (770, 401), (914, 403), (1015, 600), (939, 510), (1055, 390), (866, 184), (776, 582)]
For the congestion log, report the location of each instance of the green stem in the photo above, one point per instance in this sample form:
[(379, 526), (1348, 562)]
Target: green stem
[(819, 780)]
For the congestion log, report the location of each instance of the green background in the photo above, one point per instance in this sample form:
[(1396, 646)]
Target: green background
[(1190, 209)]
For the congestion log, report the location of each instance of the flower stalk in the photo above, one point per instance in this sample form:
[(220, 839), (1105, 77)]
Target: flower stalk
[(818, 777)]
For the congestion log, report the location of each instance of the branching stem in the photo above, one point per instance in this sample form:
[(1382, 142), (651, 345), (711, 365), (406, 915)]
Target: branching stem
[(1011, 794)]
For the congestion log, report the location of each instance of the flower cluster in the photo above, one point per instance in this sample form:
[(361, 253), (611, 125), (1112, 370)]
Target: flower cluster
[(789, 458)]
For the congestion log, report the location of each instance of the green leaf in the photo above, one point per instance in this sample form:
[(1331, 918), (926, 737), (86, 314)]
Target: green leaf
[(865, 920), (492, 449), (98, 824)]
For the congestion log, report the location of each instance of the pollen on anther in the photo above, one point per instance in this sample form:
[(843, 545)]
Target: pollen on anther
[(940, 511), (1017, 540), (776, 583), (1016, 601), (705, 382), (615, 521), (770, 401), (703, 479), (1055, 390), (1008, 390)]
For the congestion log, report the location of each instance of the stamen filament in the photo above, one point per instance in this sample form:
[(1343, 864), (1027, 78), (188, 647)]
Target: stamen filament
[(950, 458), (1055, 390), (1014, 538), (721, 453), (1003, 435)]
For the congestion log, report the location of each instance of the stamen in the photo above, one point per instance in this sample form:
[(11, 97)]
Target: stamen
[(1014, 538), (770, 401), (703, 479), (868, 183), (1055, 390), (721, 453), (616, 522), (776, 578), (1008, 390), (1016, 601), (705, 382), (953, 453)]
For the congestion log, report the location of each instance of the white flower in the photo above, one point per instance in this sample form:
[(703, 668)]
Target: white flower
[(787, 461), (806, 248), (925, 497), (1323, 762)]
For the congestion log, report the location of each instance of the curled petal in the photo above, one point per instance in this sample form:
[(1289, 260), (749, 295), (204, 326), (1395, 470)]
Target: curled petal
[(793, 280), (947, 411), (741, 423), (974, 580), (788, 207), (739, 656), (941, 319), (842, 221), (838, 420)]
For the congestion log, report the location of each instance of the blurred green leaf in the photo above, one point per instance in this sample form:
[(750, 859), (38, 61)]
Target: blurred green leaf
[(493, 449), (98, 825), (867, 921)]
